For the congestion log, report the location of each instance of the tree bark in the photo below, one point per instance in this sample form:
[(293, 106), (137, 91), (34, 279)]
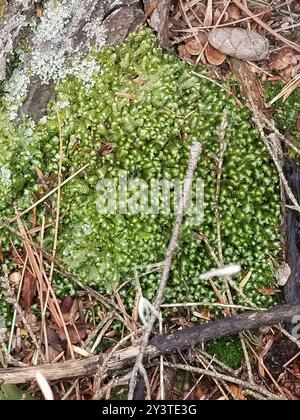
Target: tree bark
[(292, 231), (58, 40)]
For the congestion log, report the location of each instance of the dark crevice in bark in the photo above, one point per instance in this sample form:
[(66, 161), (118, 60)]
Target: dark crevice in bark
[(292, 287)]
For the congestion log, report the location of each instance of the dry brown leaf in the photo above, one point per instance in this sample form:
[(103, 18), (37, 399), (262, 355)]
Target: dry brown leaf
[(282, 59), (297, 389), (28, 291), (264, 14), (263, 354), (74, 313), (28, 357), (66, 305), (111, 334), (69, 309), (233, 13), (81, 313), (182, 52), (298, 123), (267, 347), (54, 341), (194, 47), (159, 21), (237, 392), (54, 312), (200, 10), (296, 369), (295, 7), (214, 56), (239, 43), (206, 315), (76, 333)]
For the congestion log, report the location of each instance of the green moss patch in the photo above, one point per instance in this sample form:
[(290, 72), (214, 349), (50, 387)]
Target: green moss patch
[(286, 112), (139, 116), (229, 351)]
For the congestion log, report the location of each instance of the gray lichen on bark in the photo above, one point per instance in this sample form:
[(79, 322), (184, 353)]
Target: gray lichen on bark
[(58, 44), (14, 16)]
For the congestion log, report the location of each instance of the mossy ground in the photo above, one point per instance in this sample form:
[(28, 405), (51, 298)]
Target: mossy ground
[(148, 107), (285, 113), (229, 351)]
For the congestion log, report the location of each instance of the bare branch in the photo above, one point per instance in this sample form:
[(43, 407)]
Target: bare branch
[(193, 160)]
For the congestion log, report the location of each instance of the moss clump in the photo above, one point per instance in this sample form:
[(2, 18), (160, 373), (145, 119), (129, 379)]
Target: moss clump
[(286, 112), (147, 107), (229, 351), (12, 392)]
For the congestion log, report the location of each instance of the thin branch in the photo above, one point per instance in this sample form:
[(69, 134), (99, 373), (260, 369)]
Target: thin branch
[(4, 224), (182, 207), (15, 310), (222, 133), (261, 363), (161, 364), (220, 160), (273, 127), (269, 143), (59, 182), (209, 365), (208, 304), (247, 358), (101, 370), (165, 344), (231, 379)]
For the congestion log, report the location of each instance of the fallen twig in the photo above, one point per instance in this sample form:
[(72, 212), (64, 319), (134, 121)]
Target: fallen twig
[(163, 344), (212, 374), (193, 160)]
